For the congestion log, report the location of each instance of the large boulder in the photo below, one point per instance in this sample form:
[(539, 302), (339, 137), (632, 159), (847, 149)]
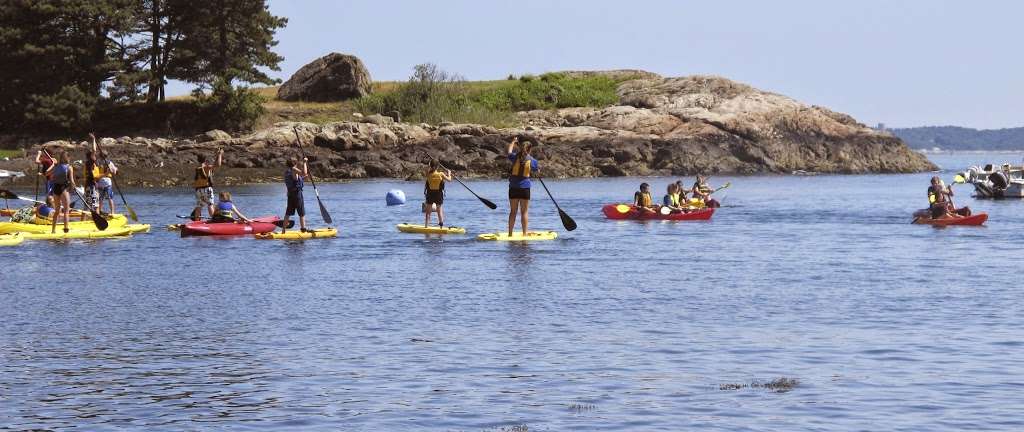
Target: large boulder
[(333, 77)]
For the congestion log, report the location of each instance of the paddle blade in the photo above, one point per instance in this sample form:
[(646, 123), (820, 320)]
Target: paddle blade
[(665, 210), (323, 211), (488, 203), (567, 221), (131, 213), (622, 208), (100, 222), (6, 194), (959, 179)]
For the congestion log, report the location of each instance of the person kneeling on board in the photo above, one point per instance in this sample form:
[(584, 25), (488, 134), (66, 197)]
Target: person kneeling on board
[(433, 191), (226, 211)]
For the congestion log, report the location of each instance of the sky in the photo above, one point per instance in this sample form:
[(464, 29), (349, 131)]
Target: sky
[(902, 63)]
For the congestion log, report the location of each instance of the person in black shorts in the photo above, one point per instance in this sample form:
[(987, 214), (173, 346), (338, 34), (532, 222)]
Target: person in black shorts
[(523, 166), (294, 180), (433, 190)]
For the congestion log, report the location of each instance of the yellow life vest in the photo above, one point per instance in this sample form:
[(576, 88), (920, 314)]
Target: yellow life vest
[(674, 199), (97, 173), (645, 199), (521, 167), (435, 181), (703, 188)]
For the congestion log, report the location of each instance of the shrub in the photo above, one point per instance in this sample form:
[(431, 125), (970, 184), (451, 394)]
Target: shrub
[(231, 108), (70, 109)]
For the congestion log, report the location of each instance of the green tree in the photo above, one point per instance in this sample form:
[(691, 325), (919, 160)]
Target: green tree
[(230, 40)]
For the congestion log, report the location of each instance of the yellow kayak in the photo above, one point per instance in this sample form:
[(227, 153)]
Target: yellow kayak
[(420, 229), (112, 218), (299, 235), (38, 228), (79, 234), (518, 236), (137, 228), (11, 239)]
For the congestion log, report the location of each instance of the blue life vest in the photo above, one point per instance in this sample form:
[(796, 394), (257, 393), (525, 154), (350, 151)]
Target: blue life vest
[(293, 182), (60, 174), (224, 210)]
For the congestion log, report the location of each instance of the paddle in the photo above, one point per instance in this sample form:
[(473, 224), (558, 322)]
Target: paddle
[(567, 221), (97, 219), (727, 184), (323, 210), (486, 201), (131, 212)]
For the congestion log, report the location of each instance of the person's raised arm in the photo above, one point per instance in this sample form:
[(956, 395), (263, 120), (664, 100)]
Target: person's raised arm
[(305, 167), (220, 157), (512, 146), (95, 145), (448, 175)]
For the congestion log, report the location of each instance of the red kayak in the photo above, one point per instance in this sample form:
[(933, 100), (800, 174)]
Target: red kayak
[(624, 212), (972, 220), (258, 225)]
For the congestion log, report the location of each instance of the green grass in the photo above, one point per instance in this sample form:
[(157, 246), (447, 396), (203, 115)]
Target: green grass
[(10, 153)]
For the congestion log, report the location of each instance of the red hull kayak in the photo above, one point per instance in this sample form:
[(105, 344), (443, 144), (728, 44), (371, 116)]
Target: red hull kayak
[(972, 220), (258, 225), (611, 211)]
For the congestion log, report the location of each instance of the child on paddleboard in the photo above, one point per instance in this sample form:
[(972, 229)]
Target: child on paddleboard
[(433, 190), (294, 180), (523, 166), (203, 184)]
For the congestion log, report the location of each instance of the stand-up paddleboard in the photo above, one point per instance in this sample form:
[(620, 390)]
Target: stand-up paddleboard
[(518, 236), (300, 235), (420, 229)]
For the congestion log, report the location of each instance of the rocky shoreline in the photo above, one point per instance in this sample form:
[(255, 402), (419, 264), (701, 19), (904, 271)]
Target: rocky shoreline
[(661, 126)]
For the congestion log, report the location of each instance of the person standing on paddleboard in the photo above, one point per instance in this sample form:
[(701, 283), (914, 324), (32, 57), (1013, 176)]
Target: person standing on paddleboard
[(105, 170), (90, 173), (433, 190), (203, 184), (294, 180), (62, 177), (44, 162), (523, 166)]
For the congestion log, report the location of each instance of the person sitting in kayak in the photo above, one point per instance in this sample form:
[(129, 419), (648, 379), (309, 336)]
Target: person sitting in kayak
[(702, 191), (683, 200), (226, 210), (523, 166), (642, 198), (294, 180), (203, 185), (939, 200), (433, 189), (671, 199)]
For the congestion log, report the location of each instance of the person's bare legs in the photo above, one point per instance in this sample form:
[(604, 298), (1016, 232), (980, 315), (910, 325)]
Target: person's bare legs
[(524, 209), (513, 208), (440, 215)]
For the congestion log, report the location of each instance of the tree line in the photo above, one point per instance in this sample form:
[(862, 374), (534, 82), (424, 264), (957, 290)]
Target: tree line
[(62, 60)]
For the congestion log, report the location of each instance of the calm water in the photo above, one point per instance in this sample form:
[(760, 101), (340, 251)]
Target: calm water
[(616, 326)]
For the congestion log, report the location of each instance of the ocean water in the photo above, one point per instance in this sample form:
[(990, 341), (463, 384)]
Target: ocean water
[(807, 303)]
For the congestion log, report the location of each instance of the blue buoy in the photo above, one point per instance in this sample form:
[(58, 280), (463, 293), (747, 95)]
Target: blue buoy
[(395, 197)]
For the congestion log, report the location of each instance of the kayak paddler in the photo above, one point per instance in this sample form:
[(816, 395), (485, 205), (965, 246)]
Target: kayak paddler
[(294, 180), (62, 177), (642, 199), (226, 210), (702, 191), (671, 198), (940, 203), (433, 191), (523, 166), (203, 184)]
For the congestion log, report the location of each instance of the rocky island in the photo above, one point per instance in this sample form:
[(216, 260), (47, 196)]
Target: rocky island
[(658, 126)]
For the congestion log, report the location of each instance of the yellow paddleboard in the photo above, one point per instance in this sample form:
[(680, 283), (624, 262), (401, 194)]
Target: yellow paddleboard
[(420, 229), (79, 234), (11, 239), (299, 235), (36, 227), (518, 236)]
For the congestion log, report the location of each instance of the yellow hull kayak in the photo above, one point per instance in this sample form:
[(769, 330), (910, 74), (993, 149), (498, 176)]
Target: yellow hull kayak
[(420, 229), (518, 236), (79, 234), (299, 235), (11, 239), (38, 228)]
